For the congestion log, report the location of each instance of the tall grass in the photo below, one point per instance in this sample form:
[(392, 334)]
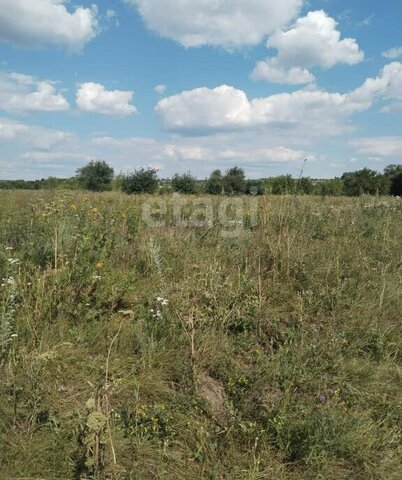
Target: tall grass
[(173, 353)]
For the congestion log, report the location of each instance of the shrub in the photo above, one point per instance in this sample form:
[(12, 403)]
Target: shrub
[(139, 181), (185, 183), (234, 181), (214, 184), (96, 176)]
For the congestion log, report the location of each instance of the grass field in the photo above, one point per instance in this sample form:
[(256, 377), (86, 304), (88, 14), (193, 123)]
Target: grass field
[(130, 352)]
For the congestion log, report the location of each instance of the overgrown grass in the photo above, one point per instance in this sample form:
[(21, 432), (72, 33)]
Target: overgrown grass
[(136, 353)]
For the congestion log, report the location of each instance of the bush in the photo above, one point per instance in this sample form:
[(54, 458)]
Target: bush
[(234, 181), (139, 181), (96, 176), (185, 183), (214, 184), (282, 185), (332, 187)]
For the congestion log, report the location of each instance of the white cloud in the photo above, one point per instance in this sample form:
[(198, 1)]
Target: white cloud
[(313, 41), (226, 109), (227, 23), (160, 89), (30, 135), (46, 22), (388, 85), (313, 111), (93, 97), (379, 147), (272, 71), (245, 155), (393, 53), (22, 93)]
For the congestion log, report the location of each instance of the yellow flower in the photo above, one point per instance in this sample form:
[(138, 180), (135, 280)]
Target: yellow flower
[(99, 265), (73, 206)]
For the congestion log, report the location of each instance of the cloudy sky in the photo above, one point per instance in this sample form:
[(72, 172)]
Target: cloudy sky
[(200, 84)]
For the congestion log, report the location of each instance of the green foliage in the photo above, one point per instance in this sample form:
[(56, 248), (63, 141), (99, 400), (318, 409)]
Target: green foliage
[(96, 176), (234, 181), (282, 185), (365, 181), (394, 173), (214, 184), (140, 181), (332, 187), (185, 183)]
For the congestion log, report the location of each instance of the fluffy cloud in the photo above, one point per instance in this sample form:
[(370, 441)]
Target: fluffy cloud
[(30, 135), (313, 41), (44, 22), (314, 111), (393, 53), (23, 93), (227, 23), (226, 109), (388, 85), (378, 146), (272, 71), (93, 97)]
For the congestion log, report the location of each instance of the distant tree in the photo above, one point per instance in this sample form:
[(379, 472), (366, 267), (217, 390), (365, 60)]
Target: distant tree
[(365, 181), (332, 187), (305, 185), (96, 176), (139, 181), (185, 183), (282, 185), (254, 187), (394, 174), (234, 181), (214, 184)]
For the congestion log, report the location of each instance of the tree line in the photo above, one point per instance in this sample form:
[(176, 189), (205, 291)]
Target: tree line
[(98, 176)]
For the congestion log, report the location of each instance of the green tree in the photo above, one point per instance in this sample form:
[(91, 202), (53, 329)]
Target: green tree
[(140, 181), (234, 181), (365, 181), (394, 174), (96, 176), (332, 187), (185, 183), (282, 185), (305, 185), (214, 184)]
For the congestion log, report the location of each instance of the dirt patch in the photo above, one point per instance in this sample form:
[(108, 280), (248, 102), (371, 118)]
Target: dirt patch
[(213, 393)]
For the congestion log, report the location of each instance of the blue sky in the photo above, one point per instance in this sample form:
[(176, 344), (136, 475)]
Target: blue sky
[(200, 84)]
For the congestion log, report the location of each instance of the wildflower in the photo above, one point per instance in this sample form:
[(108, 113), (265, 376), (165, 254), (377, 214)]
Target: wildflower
[(322, 398), (99, 265), (96, 277), (9, 248), (73, 206), (162, 301)]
